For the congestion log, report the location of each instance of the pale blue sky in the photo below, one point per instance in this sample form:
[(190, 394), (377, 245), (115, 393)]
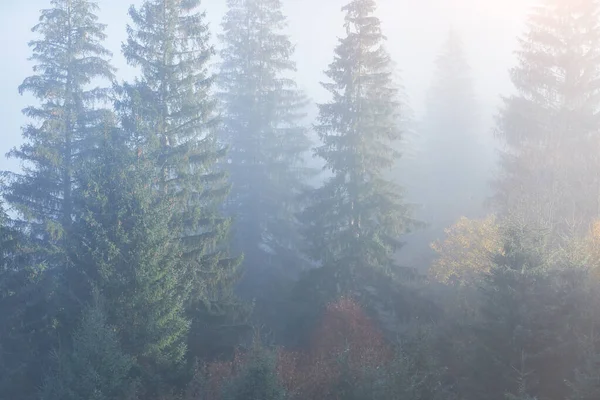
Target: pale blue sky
[(415, 29)]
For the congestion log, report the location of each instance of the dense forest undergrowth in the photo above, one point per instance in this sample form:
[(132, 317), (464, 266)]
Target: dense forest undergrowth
[(165, 238)]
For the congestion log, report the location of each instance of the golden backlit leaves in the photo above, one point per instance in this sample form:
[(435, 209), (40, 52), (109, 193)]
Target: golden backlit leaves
[(465, 255), (587, 250)]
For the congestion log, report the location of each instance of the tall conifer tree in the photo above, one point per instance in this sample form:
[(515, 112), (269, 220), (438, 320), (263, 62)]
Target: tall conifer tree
[(267, 144), (173, 112), (69, 58), (69, 61), (449, 175), (550, 167), (356, 218)]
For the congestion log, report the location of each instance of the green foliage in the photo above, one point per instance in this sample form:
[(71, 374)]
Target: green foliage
[(170, 111), (263, 111), (37, 304), (356, 217), (95, 367), (130, 253), (526, 320), (24, 336), (258, 379), (67, 56)]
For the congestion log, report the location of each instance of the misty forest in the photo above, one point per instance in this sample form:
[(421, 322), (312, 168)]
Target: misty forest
[(197, 233)]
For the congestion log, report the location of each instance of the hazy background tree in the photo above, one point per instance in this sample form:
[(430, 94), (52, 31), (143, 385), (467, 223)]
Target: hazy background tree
[(549, 168), (448, 176), (263, 114)]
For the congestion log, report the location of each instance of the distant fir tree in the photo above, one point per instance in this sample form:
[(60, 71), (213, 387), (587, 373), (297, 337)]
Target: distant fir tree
[(549, 175), (69, 61), (449, 175), (263, 112), (173, 111), (356, 218), (453, 152), (129, 252)]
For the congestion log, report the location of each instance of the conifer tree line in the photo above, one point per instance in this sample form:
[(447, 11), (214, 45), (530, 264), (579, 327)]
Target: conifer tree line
[(162, 239)]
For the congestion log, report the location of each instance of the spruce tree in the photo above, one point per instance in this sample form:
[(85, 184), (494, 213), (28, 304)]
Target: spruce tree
[(69, 61), (553, 116), (171, 108), (263, 110), (129, 252), (94, 367), (356, 218)]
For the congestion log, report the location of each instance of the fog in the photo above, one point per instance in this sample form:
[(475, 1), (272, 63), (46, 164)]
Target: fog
[(237, 225), (415, 31)]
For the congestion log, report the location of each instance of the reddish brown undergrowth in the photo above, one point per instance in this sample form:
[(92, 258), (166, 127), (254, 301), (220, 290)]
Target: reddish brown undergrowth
[(345, 332)]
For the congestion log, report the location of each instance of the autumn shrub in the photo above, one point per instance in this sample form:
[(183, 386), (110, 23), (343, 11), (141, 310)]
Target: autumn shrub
[(345, 345), (465, 255)]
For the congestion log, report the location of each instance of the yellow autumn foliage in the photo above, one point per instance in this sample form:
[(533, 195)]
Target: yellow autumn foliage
[(464, 256), (588, 250)]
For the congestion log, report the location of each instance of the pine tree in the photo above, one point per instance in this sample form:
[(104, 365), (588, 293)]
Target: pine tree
[(552, 117), (171, 109), (130, 253), (355, 219), (262, 125), (95, 367)]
